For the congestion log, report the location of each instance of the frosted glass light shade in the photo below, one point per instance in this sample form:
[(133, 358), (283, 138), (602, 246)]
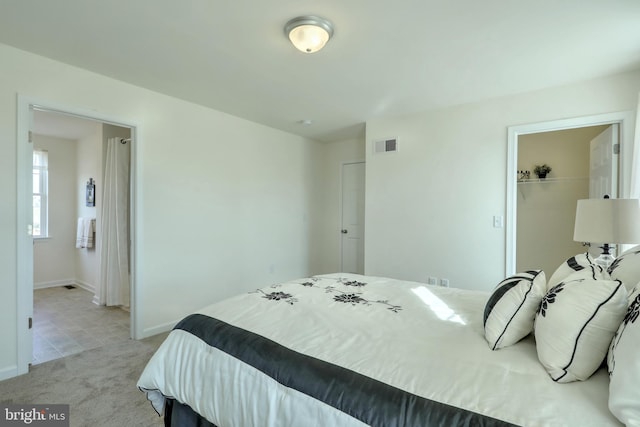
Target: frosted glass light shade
[(607, 221), (309, 34)]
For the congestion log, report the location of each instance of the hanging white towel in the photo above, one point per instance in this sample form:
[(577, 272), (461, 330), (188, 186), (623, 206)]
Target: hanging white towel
[(79, 232), (89, 232), (85, 232)]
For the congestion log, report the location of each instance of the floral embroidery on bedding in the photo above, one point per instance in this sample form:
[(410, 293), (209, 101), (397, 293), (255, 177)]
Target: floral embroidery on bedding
[(354, 283), (279, 296), (353, 298), (313, 280)]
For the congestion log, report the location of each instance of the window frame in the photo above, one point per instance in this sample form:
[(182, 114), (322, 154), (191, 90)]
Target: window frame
[(42, 171)]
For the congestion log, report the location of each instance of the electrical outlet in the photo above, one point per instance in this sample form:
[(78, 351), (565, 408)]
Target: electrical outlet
[(432, 280), (444, 283)]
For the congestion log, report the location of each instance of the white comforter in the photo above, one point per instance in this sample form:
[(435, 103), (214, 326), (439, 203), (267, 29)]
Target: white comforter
[(422, 339)]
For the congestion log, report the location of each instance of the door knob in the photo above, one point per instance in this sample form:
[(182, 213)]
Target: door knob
[(344, 231)]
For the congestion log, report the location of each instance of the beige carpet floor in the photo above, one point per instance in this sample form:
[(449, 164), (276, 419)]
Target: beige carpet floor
[(98, 384)]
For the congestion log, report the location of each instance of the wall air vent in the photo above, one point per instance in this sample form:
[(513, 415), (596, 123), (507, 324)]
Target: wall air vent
[(385, 145)]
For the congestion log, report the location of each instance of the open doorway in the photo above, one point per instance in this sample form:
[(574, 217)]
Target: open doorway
[(546, 206), (66, 261), (622, 122), (68, 237)]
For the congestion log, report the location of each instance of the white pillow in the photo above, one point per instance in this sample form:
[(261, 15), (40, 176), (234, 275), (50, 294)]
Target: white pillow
[(578, 262), (624, 366), (575, 324), (626, 267), (511, 308)]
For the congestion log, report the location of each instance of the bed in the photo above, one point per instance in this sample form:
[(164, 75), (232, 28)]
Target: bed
[(352, 350)]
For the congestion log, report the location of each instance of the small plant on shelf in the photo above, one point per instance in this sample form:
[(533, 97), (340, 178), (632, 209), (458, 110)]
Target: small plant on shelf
[(542, 170)]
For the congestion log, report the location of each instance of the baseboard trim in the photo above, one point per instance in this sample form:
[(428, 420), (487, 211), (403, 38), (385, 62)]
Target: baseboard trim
[(54, 283), (9, 372), (65, 282), (165, 327), (86, 286)]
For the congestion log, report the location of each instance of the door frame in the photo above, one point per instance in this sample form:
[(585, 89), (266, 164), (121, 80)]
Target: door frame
[(24, 247), (624, 120), (342, 165)]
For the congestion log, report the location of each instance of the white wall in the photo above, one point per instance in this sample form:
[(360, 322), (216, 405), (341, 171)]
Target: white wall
[(223, 205), (71, 164), (566, 151), (430, 206), (87, 268), (53, 262)]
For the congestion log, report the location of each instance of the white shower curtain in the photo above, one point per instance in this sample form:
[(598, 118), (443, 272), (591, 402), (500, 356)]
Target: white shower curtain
[(114, 265)]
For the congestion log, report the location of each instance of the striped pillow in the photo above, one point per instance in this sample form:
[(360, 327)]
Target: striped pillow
[(511, 309), (575, 324)]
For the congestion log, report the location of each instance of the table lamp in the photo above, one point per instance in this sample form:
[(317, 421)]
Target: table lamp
[(605, 222)]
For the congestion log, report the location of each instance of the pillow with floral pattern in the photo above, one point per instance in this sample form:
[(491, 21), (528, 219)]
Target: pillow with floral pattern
[(581, 262), (575, 323), (626, 268), (623, 363), (511, 308)]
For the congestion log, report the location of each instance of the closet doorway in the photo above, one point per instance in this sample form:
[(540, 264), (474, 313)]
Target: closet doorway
[(60, 284), (516, 190), (546, 207)]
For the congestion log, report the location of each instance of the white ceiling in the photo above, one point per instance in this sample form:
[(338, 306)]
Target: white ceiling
[(386, 57)]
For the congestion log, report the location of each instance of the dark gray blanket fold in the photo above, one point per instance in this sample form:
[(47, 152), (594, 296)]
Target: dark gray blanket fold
[(366, 399)]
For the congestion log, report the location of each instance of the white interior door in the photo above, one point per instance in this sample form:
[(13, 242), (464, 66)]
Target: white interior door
[(353, 218), (603, 169)]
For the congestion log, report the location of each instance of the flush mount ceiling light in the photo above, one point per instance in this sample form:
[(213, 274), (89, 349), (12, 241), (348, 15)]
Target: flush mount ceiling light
[(309, 34)]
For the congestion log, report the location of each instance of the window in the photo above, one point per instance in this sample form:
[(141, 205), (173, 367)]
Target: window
[(40, 193)]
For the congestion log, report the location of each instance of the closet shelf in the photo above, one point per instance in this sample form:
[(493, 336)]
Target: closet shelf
[(551, 180)]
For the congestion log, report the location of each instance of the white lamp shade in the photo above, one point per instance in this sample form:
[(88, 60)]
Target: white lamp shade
[(607, 221)]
